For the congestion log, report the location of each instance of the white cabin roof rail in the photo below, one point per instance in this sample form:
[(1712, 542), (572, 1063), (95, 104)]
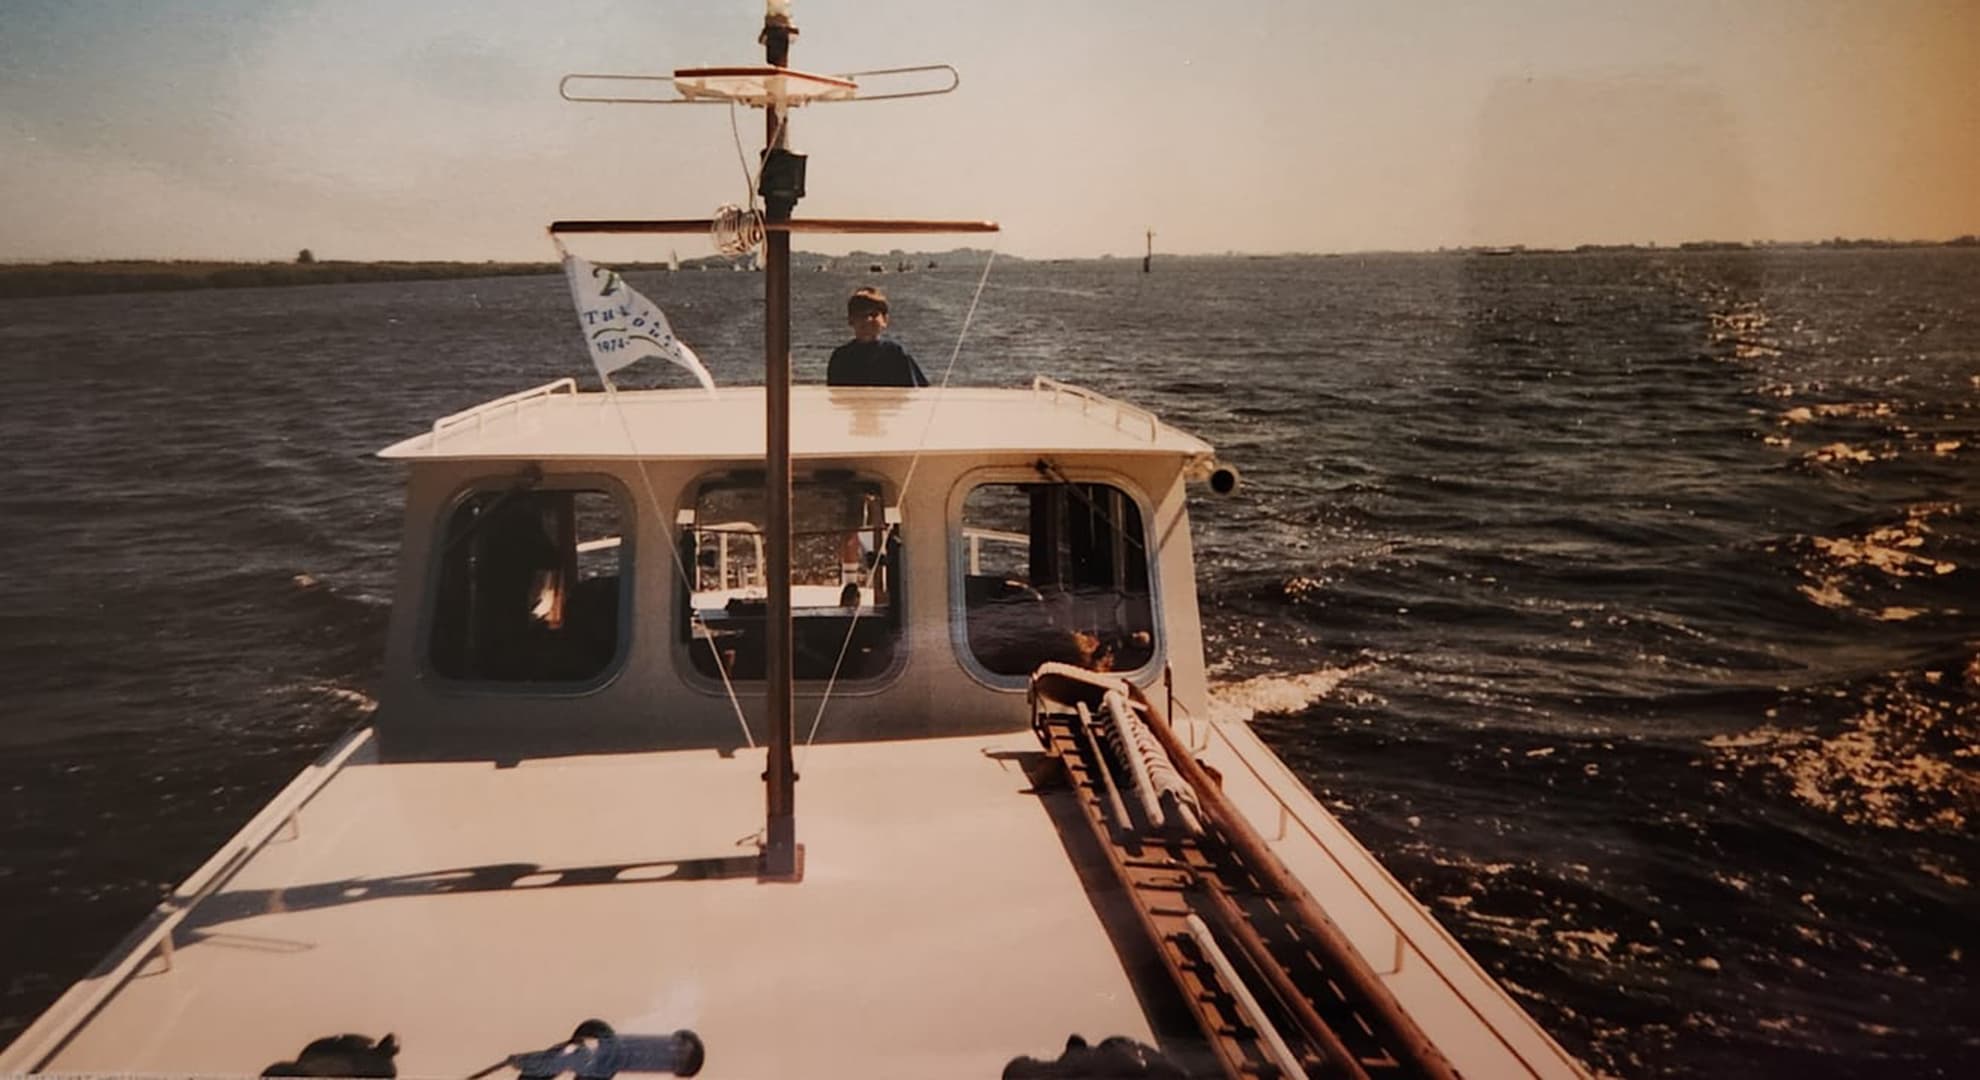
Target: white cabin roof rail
[(511, 403), (1126, 417)]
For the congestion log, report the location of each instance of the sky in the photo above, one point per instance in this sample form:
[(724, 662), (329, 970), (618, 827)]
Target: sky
[(250, 129)]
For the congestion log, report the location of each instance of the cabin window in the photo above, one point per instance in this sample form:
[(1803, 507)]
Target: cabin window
[(530, 587), (1055, 572), (845, 594)]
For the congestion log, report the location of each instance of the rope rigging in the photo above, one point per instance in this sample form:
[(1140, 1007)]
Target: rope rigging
[(735, 230), (900, 497), (653, 499)]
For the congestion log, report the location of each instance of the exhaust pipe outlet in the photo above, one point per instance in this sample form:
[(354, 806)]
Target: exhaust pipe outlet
[(1222, 478)]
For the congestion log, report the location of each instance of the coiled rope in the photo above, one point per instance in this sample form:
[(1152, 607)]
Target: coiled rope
[(736, 230), (739, 230)]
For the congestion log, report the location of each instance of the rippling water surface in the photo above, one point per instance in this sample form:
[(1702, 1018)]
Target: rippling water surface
[(1626, 605)]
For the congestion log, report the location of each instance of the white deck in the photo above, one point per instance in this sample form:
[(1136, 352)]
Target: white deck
[(940, 929), (556, 422)]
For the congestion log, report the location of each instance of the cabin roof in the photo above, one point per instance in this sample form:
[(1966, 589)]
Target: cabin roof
[(557, 421)]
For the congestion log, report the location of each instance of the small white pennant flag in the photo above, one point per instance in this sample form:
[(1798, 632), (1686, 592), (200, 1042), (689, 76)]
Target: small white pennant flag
[(621, 327)]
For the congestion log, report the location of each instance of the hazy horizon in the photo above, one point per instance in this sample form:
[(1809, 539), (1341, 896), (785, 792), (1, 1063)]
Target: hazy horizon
[(803, 253), (232, 130)]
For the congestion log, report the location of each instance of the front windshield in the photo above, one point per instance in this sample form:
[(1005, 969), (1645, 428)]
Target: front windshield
[(843, 579)]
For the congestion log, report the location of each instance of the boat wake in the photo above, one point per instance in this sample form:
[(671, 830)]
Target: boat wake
[(1276, 694)]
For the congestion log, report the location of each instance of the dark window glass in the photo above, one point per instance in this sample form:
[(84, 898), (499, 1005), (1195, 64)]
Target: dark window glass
[(530, 587), (1055, 572), (844, 590)]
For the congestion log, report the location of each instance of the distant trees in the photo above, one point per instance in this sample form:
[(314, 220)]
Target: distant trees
[(79, 278), (305, 256)]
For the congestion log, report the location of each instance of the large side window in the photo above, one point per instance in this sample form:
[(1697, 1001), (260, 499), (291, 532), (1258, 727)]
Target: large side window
[(845, 594), (530, 587), (1055, 572)]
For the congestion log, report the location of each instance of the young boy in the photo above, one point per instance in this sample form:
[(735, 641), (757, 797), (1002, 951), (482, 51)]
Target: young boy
[(868, 359)]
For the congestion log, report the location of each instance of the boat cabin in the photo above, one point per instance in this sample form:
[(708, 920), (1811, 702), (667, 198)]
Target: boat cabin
[(586, 571)]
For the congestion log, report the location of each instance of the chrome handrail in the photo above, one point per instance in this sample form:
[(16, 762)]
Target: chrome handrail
[(32, 1050), (1093, 399), (514, 402), (1403, 942)]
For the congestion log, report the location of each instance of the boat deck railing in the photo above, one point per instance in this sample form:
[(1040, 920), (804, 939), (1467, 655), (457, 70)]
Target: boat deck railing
[(154, 937), (975, 538), (1198, 739), (731, 572), (509, 405), (1198, 732), (1276, 986), (1125, 417)]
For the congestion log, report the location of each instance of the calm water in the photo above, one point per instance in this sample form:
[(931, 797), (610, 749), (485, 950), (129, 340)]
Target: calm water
[(1626, 606)]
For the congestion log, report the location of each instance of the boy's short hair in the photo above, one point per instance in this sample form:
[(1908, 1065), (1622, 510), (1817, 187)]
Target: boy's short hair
[(866, 298)]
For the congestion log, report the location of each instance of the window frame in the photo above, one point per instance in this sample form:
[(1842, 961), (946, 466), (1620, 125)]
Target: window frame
[(680, 633), (587, 482), (958, 568)]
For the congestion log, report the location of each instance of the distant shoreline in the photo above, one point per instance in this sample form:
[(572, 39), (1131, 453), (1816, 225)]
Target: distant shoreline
[(85, 278), (139, 275), (100, 276)]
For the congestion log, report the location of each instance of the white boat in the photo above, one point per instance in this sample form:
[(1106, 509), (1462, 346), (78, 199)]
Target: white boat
[(898, 762)]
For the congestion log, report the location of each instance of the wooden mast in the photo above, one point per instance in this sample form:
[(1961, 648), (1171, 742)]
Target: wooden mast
[(780, 850), (781, 183)]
